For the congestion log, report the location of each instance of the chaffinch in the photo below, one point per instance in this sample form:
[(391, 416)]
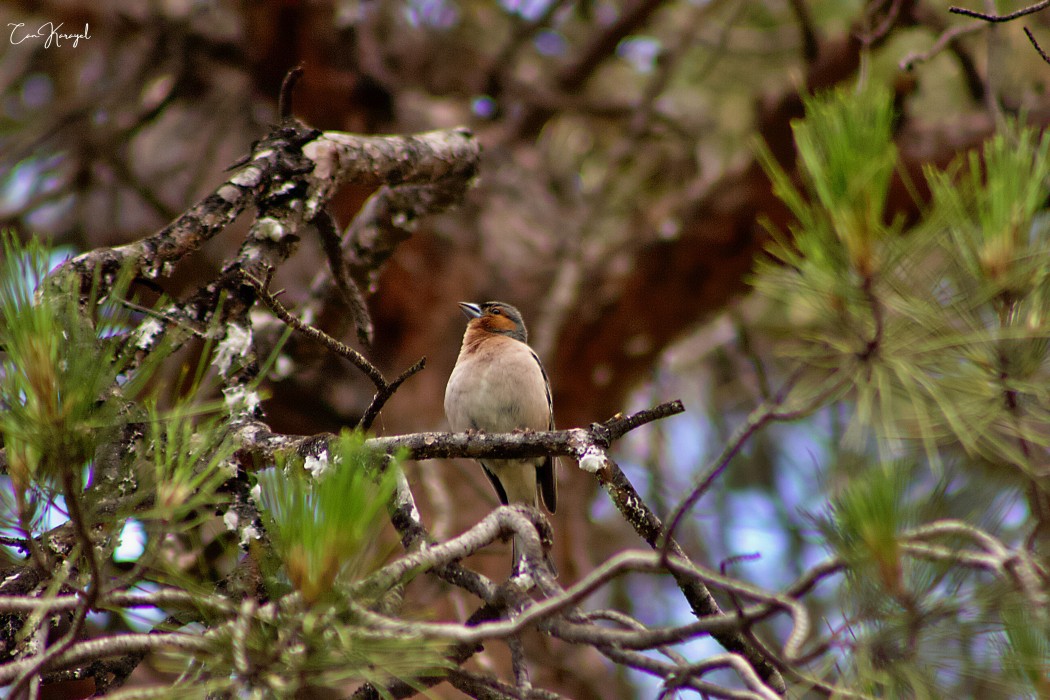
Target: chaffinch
[(499, 385)]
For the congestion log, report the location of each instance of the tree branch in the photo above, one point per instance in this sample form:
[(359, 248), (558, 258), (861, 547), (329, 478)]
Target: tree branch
[(1031, 9)]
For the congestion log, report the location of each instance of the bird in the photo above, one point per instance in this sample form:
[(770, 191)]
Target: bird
[(498, 385)]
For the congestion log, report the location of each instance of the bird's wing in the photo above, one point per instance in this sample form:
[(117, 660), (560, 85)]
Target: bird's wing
[(546, 475)]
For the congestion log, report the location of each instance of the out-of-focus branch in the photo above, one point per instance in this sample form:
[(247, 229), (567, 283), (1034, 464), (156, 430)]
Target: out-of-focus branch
[(947, 37), (603, 43), (810, 39), (494, 78), (339, 270), (565, 290), (769, 411), (601, 46), (874, 34)]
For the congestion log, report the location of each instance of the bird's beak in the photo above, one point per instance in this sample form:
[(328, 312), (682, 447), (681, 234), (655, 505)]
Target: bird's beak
[(470, 310)]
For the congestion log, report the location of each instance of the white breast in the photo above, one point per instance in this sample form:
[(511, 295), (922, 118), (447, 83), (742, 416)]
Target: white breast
[(504, 393)]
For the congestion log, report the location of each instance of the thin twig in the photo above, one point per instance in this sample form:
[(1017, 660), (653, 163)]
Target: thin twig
[(384, 394), (489, 687), (384, 389), (649, 527), (517, 657), (628, 622), (110, 646), (664, 671), (1031, 9), (769, 411), (164, 598), (19, 543), (503, 62), (946, 39), (284, 100), (38, 555), (871, 346), (162, 316), (810, 39), (564, 291), (1038, 48), (882, 29), (344, 282), (602, 45)]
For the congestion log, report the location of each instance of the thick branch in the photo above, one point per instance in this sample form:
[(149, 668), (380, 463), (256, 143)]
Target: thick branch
[(291, 163), (581, 443), (110, 646), (585, 444), (426, 158)]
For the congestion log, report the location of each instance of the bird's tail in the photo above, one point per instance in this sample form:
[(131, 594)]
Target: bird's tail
[(517, 546)]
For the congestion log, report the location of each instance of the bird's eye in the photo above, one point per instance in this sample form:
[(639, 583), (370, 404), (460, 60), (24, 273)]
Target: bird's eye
[(497, 311)]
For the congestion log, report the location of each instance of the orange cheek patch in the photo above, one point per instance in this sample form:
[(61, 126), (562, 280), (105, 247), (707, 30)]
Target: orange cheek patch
[(497, 323)]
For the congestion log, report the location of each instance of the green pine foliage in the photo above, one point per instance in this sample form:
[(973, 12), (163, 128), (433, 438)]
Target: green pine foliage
[(322, 523), (98, 429), (57, 372), (935, 334), (940, 327)]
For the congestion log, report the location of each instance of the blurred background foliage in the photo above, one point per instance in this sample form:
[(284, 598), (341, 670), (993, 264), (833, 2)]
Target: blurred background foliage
[(668, 231)]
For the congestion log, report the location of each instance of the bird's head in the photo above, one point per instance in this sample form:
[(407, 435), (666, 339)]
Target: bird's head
[(495, 317)]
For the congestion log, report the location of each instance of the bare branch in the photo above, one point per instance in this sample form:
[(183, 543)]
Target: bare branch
[(384, 389), (1031, 9), (321, 161), (284, 100), (345, 351), (384, 393), (810, 39), (116, 645), (769, 411), (87, 601), (344, 282), (164, 598), (648, 526), (1038, 48), (947, 38), (476, 685)]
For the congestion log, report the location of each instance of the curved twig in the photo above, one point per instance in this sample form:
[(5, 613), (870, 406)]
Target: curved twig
[(384, 389)]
